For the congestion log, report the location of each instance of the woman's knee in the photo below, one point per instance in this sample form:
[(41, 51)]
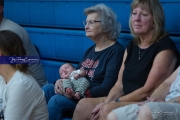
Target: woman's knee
[(56, 103), (112, 116), (48, 87), (81, 104), (57, 100), (84, 108), (106, 109), (145, 113), (53, 101), (48, 91), (89, 103), (60, 101)]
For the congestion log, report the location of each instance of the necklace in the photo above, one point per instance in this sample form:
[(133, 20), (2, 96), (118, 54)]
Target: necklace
[(140, 55)]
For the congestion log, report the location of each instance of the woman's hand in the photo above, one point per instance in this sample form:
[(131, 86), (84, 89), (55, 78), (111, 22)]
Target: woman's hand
[(58, 86), (148, 100), (96, 111)]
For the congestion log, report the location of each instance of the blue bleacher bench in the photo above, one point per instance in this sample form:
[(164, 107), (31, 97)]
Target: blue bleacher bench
[(69, 13)]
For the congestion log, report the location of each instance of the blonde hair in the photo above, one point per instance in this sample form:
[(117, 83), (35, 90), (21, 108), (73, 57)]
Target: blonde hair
[(154, 6)]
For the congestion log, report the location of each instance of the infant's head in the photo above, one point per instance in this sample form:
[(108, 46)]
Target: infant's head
[(65, 70)]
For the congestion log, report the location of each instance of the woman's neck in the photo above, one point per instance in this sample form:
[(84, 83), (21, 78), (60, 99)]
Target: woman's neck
[(7, 72), (103, 43), (145, 40)]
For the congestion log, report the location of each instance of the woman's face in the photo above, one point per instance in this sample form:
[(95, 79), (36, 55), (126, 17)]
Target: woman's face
[(93, 26), (142, 21)]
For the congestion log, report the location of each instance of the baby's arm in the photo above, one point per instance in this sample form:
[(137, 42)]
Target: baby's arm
[(81, 73)]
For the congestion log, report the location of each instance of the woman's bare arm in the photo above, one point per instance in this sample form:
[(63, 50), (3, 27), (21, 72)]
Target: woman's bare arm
[(163, 65), (163, 90), (175, 100)]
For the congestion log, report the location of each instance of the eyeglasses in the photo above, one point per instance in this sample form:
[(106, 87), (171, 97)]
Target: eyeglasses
[(90, 23)]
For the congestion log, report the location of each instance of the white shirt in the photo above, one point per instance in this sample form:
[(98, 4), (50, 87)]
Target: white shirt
[(71, 77), (22, 98)]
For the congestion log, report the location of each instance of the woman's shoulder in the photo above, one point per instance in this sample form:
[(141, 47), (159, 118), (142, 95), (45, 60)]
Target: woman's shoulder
[(20, 77), (116, 48), (24, 85), (118, 45), (166, 43), (90, 49), (165, 39), (131, 44), (24, 80)]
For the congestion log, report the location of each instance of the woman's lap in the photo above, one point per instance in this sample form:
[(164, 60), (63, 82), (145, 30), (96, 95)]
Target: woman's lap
[(158, 110), (164, 111), (48, 91), (128, 112), (58, 105), (86, 106)]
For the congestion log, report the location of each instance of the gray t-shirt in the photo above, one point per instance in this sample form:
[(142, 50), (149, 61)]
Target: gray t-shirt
[(36, 70)]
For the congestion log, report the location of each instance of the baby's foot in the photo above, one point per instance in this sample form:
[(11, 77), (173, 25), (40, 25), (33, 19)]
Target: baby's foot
[(77, 95), (70, 92)]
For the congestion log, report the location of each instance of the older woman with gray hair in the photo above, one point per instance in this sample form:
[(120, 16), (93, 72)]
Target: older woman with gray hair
[(101, 61), (148, 60)]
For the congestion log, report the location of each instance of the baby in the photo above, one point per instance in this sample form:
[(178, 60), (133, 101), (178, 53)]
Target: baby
[(74, 81)]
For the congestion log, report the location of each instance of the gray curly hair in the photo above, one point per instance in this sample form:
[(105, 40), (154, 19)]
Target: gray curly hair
[(108, 19)]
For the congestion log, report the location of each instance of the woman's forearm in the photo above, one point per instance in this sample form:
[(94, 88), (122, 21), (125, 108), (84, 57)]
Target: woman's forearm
[(175, 100), (115, 93), (136, 96), (161, 92)]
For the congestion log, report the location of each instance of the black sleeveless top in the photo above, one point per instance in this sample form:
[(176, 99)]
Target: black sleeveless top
[(137, 70)]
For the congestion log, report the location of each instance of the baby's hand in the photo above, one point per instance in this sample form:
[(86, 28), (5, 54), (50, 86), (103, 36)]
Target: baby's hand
[(76, 76), (82, 68), (58, 87), (77, 95)]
